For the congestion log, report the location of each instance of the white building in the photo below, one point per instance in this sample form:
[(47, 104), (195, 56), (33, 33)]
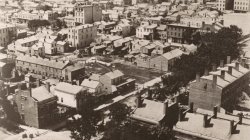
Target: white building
[(67, 94), (146, 30), (81, 36)]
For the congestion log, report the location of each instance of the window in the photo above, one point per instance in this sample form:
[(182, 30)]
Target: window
[(22, 107)]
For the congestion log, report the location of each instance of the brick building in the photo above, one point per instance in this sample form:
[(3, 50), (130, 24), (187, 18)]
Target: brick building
[(88, 14), (37, 106), (242, 5), (49, 68), (221, 87), (7, 34)]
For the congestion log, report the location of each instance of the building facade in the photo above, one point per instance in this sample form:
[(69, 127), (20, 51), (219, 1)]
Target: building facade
[(81, 36), (88, 14), (242, 5), (37, 106), (7, 34)]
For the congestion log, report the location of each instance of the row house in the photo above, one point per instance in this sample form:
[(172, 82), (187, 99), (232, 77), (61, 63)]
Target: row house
[(221, 87), (49, 68)]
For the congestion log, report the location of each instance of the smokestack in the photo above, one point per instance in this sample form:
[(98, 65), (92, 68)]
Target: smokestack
[(48, 86), (223, 74), (237, 65), (191, 107), (215, 112), (221, 63), (206, 73), (197, 77), (138, 101), (214, 81), (165, 108), (228, 59), (230, 69), (243, 62)]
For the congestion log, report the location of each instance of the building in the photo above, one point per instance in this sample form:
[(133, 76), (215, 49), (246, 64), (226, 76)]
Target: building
[(221, 87), (94, 87), (176, 32), (146, 31), (162, 62), (88, 14), (225, 5), (37, 106), (69, 95), (49, 68), (211, 125), (122, 29), (7, 34), (149, 112), (81, 36), (115, 82), (242, 5)]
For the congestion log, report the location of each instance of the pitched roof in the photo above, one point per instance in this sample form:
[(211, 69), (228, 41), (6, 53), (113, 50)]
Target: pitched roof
[(114, 74), (95, 77), (173, 54), (90, 83), (68, 88), (43, 62), (41, 93), (151, 111)]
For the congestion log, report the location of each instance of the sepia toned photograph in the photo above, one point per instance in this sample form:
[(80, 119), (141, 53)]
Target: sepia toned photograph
[(124, 69)]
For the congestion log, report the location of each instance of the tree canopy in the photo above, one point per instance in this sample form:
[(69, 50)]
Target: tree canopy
[(34, 24)]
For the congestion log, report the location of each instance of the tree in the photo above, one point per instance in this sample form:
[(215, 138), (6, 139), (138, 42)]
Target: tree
[(44, 7), (119, 112), (35, 24), (86, 126)]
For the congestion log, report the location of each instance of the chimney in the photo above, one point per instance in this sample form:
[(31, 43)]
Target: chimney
[(230, 69), (228, 59), (232, 127), (8, 89), (181, 114), (215, 112), (223, 74), (197, 77), (221, 63), (214, 67), (38, 83), (165, 108), (205, 122), (206, 73), (48, 86), (240, 118), (30, 90), (243, 62), (214, 81), (149, 94), (19, 86), (138, 101), (237, 65), (191, 107)]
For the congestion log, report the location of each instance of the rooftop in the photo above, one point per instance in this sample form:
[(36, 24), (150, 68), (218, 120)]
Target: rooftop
[(68, 88)]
